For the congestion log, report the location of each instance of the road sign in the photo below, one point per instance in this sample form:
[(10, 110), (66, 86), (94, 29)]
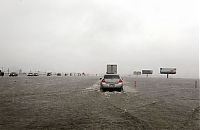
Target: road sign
[(147, 71), (167, 70)]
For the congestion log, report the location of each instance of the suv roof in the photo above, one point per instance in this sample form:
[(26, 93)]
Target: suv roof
[(111, 76)]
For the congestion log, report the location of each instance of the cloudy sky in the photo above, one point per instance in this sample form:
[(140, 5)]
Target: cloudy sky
[(85, 35)]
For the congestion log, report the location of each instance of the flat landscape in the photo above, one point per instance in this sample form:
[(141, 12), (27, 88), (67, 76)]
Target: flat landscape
[(51, 103)]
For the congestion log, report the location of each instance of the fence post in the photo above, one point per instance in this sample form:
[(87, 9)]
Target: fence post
[(195, 83)]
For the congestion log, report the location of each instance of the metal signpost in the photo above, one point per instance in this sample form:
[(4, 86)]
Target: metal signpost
[(167, 71)]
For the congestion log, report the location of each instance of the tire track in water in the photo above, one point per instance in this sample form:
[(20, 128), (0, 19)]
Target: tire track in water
[(194, 116), (127, 116), (127, 120)]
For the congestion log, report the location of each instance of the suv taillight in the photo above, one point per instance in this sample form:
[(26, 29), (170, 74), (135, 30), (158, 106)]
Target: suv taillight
[(103, 81), (120, 81)]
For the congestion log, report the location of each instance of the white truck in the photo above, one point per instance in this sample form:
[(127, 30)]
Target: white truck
[(111, 69)]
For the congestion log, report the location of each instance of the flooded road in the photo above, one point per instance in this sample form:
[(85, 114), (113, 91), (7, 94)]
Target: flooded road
[(77, 103)]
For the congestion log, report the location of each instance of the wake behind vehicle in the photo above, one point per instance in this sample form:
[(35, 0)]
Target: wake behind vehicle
[(111, 82)]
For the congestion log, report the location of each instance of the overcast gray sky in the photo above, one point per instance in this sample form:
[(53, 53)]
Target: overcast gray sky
[(85, 35)]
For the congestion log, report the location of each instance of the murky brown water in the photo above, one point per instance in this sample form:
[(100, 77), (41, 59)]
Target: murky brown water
[(77, 103)]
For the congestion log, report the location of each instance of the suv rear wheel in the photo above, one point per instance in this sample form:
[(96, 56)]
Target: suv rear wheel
[(120, 89), (102, 90)]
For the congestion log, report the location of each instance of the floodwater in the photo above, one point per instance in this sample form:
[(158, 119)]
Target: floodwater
[(51, 103)]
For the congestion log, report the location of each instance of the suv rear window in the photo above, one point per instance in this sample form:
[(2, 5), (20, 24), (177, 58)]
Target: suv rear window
[(111, 77)]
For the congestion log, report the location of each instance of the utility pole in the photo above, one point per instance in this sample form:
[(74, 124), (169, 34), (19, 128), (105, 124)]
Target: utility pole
[(20, 71)]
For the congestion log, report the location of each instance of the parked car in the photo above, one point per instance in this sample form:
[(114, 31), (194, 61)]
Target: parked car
[(58, 74), (1, 73), (111, 82), (13, 74), (49, 74), (30, 74), (35, 74)]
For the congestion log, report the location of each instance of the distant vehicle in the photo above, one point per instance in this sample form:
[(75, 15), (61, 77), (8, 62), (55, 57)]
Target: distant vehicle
[(111, 82), (49, 74), (1, 73), (35, 74), (30, 74), (58, 74), (111, 69), (13, 74)]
